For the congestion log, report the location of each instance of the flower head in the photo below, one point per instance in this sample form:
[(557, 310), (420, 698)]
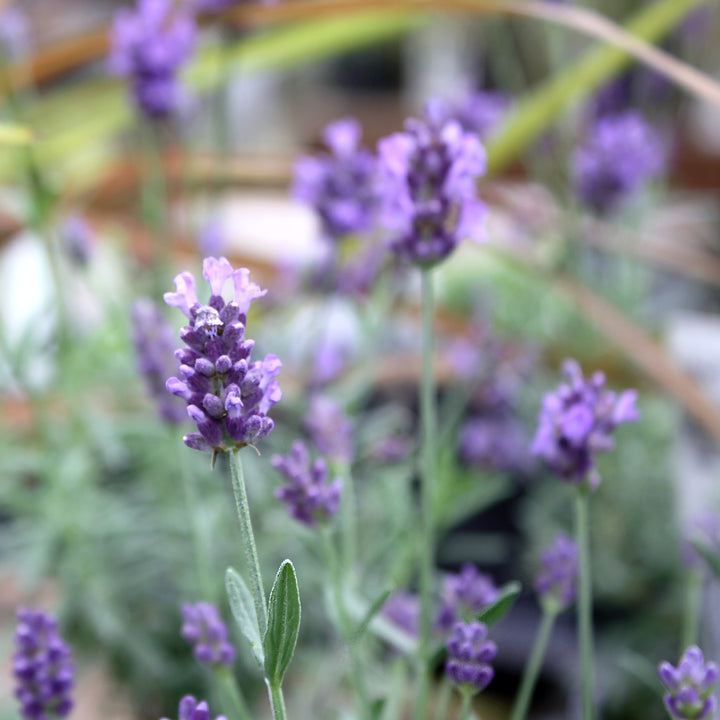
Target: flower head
[(465, 595), (556, 584), (191, 709), (690, 685), (469, 656), (427, 182), (403, 610), (227, 395), (309, 495), (621, 154), (331, 431), (42, 666), (148, 47), (205, 630), (481, 111), (339, 185), (577, 420)]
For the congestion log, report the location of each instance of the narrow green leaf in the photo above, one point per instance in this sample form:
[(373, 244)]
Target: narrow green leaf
[(243, 610), (499, 609), (374, 608), (283, 623), (377, 708), (710, 557)]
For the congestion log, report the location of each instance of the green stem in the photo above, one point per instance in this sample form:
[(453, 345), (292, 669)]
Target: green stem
[(466, 706), (693, 606), (427, 493), (532, 668), (228, 688), (442, 699), (251, 556), (584, 606), (348, 516), (345, 626), (277, 701)]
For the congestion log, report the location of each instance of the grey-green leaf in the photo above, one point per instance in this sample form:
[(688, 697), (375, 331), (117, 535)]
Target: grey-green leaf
[(283, 623), (499, 609), (243, 610), (374, 608)]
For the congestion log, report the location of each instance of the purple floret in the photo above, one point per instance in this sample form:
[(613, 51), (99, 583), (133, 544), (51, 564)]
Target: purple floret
[(465, 595), (556, 584), (428, 177), (228, 395), (310, 496), (577, 421), (42, 666), (469, 656), (191, 709), (205, 630), (690, 685)]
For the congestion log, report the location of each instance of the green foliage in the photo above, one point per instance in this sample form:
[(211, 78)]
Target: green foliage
[(243, 610)]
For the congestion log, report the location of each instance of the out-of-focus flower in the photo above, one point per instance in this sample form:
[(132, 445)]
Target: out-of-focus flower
[(556, 583), (621, 153), (496, 442), (690, 685), (339, 185), (577, 421), (309, 495), (148, 47), (469, 656), (227, 395), (331, 431), (191, 709), (154, 341), (480, 111), (205, 630), (464, 596), (77, 239), (211, 240), (705, 530), (403, 610), (428, 189), (14, 33), (42, 666)]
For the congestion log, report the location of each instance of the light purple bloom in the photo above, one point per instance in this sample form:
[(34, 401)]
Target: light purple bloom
[(690, 685), (331, 431), (227, 395), (497, 442), (309, 495), (465, 595), (191, 709), (556, 584), (480, 111), (403, 609), (469, 656), (577, 421), (42, 666), (428, 189), (621, 153), (148, 47), (339, 185), (205, 630), (14, 32)]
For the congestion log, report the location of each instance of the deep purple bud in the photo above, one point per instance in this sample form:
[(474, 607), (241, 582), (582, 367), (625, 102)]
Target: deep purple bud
[(43, 667), (690, 685), (309, 495), (204, 629), (556, 584), (469, 656), (465, 595), (191, 709), (577, 421)]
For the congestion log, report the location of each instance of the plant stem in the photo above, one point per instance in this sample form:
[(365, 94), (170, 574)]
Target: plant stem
[(442, 699), (228, 688), (466, 706), (584, 606), (348, 515), (251, 556), (277, 701), (532, 668), (427, 494), (691, 611)]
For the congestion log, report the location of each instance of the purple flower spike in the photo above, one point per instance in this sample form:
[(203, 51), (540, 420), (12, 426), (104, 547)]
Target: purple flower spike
[(309, 495), (690, 685), (42, 666), (331, 431), (464, 596), (228, 396), (191, 709), (204, 629), (621, 154), (427, 177), (148, 47), (339, 186), (556, 583), (576, 421), (470, 654)]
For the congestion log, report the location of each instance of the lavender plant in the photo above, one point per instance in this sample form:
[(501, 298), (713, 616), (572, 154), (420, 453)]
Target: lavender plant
[(689, 686)]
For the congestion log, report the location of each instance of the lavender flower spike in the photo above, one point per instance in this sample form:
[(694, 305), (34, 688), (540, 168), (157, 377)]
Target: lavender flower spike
[(191, 709), (465, 595), (204, 629), (576, 422), (556, 584), (427, 181), (470, 654), (339, 186), (309, 495), (148, 47), (690, 685), (42, 666), (331, 431), (228, 396)]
